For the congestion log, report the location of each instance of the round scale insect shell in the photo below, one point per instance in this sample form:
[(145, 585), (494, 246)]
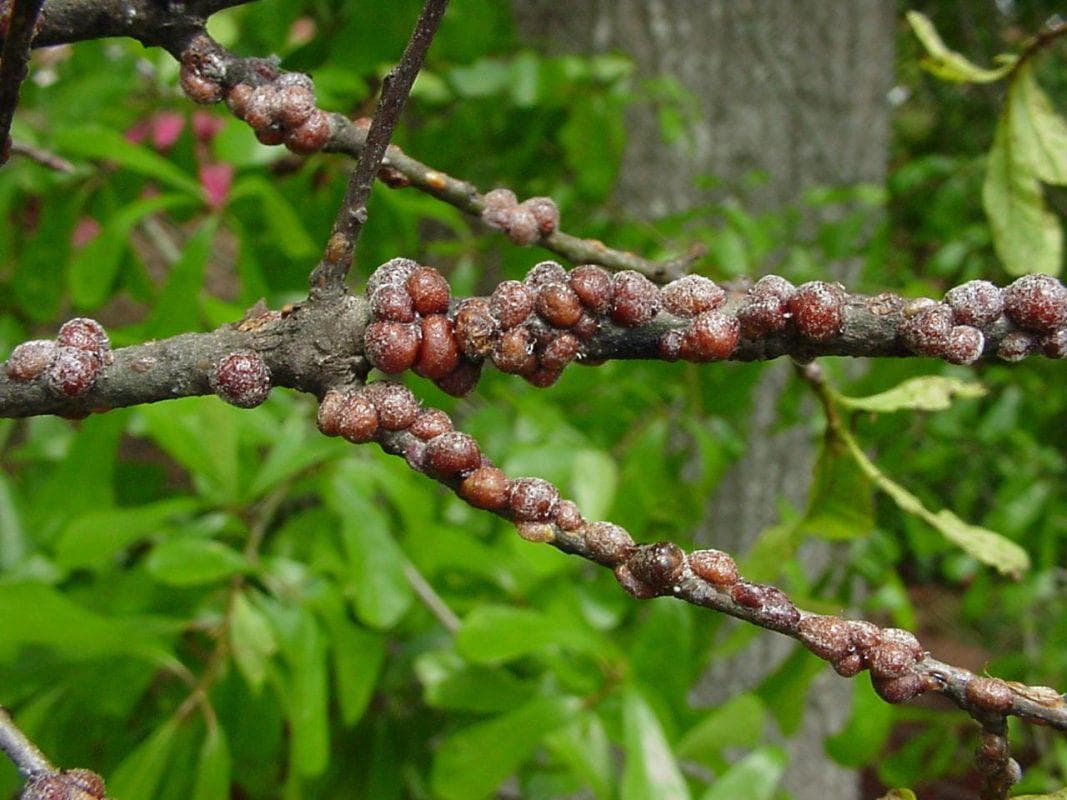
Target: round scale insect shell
[(394, 271), (610, 543), (546, 213), (762, 315), (558, 305), (711, 336), (975, 303), (990, 694), (533, 500), (397, 407), (392, 346), (30, 359), (545, 272), (429, 423), (1036, 303), (311, 135), (714, 566), (452, 454), (429, 291), (657, 565), (521, 227), (636, 300), (241, 379), (964, 346), (511, 303), (594, 287), (486, 487), (825, 636), (818, 310), (692, 295), (514, 352), (462, 380), (438, 352), (295, 104), (890, 660), (898, 690), (773, 286), (392, 302), (85, 334), (560, 352), (568, 517), (475, 327), (357, 420)]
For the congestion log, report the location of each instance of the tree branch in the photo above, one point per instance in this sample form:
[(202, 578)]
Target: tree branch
[(900, 668), (23, 753), (14, 60), (328, 277)]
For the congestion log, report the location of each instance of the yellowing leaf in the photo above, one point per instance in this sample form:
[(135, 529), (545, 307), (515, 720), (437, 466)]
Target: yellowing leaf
[(1026, 235), (928, 393), (1038, 134), (947, 64), (985, 545)]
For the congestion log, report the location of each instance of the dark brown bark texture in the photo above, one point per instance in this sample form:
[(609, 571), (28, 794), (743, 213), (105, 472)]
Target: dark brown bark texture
[(796, 91)]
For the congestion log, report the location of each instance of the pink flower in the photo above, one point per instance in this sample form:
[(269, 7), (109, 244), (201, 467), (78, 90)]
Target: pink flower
[(85, 230), (215, 180), (206, 125), (166, 128), (139, 131)]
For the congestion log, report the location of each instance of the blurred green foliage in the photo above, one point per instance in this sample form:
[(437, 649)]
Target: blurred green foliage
[(207, 602)]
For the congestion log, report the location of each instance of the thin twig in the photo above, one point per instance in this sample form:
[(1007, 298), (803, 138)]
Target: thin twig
[(13, 65), (24, 753), (328, 277), (431, 599), (42, 157)]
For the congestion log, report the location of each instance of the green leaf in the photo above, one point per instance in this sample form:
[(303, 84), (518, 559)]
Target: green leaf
[(784, 691), (188, 562), (1060, 794), (651, 769), (594, 479), (286, 227), (213, 769), (307, 699), (948, 64), (474, 761), (377, 586), (737, 723), (496, 634), (96, 536), (908, 794), (295, 448), (1026, 235), (94, 267), (985, 545), (252, 640), (177, 308), (201, 434), (841, 502), (358, 655), (35, 614), (867, 730), (12, 535), (927, 393), (1038, 134), (754, 777), (107, 144), (584, 747), (450, 682), (139, 774)]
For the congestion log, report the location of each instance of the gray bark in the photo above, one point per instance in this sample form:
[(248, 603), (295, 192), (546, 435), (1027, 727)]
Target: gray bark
[(796, 90)]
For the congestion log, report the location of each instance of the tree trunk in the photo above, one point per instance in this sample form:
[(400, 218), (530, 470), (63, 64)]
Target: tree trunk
[(797, 91)]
